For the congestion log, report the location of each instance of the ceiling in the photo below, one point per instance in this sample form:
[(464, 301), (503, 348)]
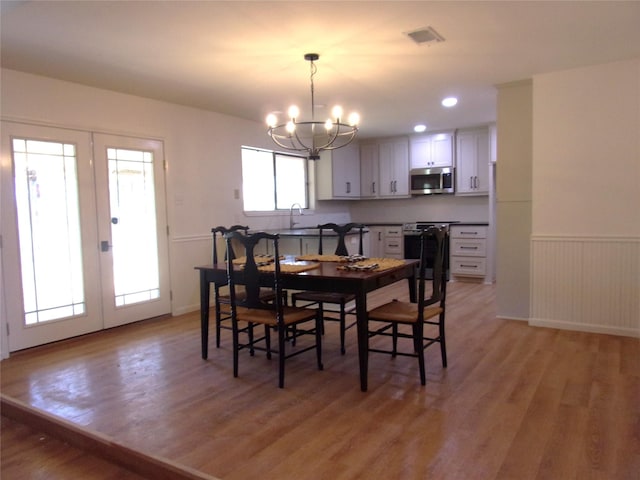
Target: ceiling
[(246, 58)]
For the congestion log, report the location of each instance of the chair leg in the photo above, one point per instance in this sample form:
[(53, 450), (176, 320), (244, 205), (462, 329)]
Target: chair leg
[(321, 310), (319, 322), (236, 339), (443, 343), (417, 343), (250, 333), (267, 340), (218, 321), (281, 355), (394, 330), (342, 327)]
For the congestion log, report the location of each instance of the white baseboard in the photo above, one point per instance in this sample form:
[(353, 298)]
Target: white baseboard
[(583, 327)]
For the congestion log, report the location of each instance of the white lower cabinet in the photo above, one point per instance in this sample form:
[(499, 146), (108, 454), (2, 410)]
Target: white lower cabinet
[(385, 242), (468, 250), (393, 242)]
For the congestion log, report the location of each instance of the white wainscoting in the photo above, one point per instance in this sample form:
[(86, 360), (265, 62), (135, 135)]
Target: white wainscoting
[(589, 284), (187, 252)]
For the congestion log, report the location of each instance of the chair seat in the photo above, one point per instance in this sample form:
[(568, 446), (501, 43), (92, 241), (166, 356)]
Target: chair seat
[(326, 297), (268, 317), (266, 294), (402, 312)]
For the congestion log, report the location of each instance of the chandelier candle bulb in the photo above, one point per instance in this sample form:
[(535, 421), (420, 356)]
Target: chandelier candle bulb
[(294, 112), (337, 112), (307, 136)]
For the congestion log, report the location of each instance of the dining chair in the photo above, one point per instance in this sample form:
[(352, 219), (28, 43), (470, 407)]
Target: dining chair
[(428, 312), (250, 308), (340, 299), (221, 300)]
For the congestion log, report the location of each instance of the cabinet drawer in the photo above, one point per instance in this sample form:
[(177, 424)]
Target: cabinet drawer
[(393, 231), (470, 266), (468, 232), (474, 247), (393, 246)]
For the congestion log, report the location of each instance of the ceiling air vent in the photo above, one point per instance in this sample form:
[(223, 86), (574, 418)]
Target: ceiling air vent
[(425, 35)]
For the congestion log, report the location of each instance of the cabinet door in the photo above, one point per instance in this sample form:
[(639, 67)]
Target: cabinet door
[(472, 175), (369, 170), (434, 150), (420, 151), (482, 163), (346, 171), (386, 169), (338, 173), (401, 167), (394, 168), (290, 246), (442, 150), (376, 242)]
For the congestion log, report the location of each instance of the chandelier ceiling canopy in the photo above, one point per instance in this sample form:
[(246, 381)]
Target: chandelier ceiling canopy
[(312, 137)]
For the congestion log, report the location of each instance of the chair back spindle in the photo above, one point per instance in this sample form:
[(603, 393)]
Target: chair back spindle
[(341, 231), (253, 279), (429, 237), (222, 230)]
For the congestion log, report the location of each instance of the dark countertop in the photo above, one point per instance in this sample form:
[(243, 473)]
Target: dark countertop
[(395, 224), (478, 224), (307, 232)]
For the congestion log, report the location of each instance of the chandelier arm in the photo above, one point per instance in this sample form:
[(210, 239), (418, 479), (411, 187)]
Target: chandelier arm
[(291, 146)]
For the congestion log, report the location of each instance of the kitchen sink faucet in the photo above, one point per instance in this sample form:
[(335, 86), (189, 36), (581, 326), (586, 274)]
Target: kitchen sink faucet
[(291, 222)]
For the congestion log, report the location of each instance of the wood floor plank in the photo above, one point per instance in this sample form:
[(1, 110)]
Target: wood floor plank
[(515, 401)]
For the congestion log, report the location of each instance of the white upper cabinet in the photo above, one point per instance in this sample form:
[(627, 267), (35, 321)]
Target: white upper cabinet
[(369, 185), (472, 162), (394, 167), (338, 173), (433, 150), (384, 168)]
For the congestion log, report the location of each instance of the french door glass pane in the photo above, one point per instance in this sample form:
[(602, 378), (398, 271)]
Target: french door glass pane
[(133, 226), (46, 187)]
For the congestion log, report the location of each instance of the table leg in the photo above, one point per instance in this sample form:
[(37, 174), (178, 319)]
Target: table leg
[(204, 313), (363, 337)]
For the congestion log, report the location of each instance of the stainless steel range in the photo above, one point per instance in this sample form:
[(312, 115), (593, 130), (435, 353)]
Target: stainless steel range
[(417, 227), (411, 233)]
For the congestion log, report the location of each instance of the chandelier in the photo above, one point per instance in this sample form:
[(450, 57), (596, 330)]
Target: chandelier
[(311, 136)]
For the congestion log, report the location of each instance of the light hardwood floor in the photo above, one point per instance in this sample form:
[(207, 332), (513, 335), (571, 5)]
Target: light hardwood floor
[(516, 402)]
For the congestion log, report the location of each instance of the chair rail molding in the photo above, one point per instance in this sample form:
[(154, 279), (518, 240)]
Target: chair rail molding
[(586, 283)]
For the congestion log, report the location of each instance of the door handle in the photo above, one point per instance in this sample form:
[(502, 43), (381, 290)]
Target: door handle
[(105, 246)]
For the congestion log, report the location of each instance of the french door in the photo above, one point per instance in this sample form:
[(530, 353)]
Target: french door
[(84, 232)]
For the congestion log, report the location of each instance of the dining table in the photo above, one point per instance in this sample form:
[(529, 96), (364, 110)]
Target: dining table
[(323, 276)]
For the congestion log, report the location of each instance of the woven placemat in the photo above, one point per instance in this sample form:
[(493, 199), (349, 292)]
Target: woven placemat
[(314, 257), (295, 267), (377, 264), (259, 259)]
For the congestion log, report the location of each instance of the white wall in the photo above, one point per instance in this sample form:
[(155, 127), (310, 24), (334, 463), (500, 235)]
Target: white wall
[(586, 169), (422, 208), (513, 203), (585, 243)]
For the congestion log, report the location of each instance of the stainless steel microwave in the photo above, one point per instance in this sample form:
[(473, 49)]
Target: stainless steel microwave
[(426, 181)]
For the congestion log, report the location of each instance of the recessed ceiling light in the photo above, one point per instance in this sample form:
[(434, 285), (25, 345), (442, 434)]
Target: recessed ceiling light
[(449, 101), (419, 128)]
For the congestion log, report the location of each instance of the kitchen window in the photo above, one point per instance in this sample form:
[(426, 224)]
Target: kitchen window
[(273, 181)]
